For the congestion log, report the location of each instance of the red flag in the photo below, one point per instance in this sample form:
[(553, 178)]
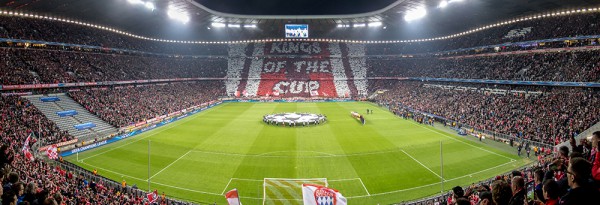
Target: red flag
[(152, 196), (233, 197), (26, 143), (25, 149), (28, 155)]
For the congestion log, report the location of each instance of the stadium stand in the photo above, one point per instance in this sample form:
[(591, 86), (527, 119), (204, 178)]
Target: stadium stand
[(53, 31), (541, 28), (290, 69), (548, 115), (67, 123), (32, 66), (123, 106), (514, 112), (577, 66)]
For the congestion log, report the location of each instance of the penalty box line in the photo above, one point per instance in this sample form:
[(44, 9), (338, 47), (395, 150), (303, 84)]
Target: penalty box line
[(157, 183), (327, 181), (455, 139), (258, 180), (159, 130)]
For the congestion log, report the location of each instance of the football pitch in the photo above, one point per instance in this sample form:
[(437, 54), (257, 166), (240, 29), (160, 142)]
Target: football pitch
[(387, 160)]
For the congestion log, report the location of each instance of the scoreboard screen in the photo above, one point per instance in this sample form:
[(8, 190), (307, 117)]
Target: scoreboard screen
[(296, 30)]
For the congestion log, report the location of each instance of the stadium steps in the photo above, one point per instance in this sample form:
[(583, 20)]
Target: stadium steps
[(102, 128)]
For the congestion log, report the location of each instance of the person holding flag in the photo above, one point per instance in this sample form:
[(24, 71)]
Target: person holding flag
[(152, 197), (26, 150), (313, 194), (233, 197)]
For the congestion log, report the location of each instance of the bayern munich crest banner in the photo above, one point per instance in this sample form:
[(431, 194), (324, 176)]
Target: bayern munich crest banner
[(319, 195)]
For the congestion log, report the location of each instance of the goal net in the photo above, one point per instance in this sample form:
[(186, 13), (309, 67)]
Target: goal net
[(286, 191)]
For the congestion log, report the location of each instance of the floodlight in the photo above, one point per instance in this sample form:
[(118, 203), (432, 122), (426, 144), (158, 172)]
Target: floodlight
[(443, 4), (183, 17), (250, 26), (218, 25), (150, 6), (375, 24), (135, 1), (415, 14), (360, 25), (233, 25)]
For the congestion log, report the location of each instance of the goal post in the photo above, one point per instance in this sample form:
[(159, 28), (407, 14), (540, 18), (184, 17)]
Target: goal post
[(287, 191)]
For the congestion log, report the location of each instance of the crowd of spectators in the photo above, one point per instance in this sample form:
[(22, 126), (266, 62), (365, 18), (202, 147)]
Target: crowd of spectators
[(31, 66), (543, 28), (123, 106), (19, 117), (56, 31), (555, 115), (550, 117), (576, 24), (37, 182), (570, 177), (581, 66)]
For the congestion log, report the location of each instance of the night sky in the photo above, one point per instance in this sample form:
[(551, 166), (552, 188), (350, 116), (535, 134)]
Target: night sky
[(295, 7)]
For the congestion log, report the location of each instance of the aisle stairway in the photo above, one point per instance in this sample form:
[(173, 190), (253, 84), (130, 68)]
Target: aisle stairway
[(68, 123)]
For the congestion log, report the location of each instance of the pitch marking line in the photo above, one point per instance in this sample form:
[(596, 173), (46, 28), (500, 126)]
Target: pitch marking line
[(452, 138), (363, 184), (144, 180), (418, 187), (341, 180), (422, 165), (349, 197), (165, 129), (254, 180), (169, 165), (267, 153), (225, 189)]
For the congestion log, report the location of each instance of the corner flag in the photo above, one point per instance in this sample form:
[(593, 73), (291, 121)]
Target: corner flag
[(319, 195), (233, 197)]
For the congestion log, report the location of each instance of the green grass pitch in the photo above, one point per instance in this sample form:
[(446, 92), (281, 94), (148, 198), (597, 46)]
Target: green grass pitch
[(388, 160)]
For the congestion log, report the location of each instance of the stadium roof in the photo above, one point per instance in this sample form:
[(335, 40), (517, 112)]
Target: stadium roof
[(270, 16)]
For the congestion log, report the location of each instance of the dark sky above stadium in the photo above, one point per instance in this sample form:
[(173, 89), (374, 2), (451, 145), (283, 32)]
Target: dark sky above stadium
[(295, 7)]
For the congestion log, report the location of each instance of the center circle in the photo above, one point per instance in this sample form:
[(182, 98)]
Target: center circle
[(293, 119)]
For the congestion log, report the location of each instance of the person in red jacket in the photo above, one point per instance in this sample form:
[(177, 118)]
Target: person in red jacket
[(595, 157)]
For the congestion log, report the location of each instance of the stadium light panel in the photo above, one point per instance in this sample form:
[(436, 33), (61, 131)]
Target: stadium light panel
[(218, 25), (250, 26), (340, 25), (150, 6), (233, 25), (415, 14), (443, 4), (359, 25), (135, 1), (181, 16), (375, 24)]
